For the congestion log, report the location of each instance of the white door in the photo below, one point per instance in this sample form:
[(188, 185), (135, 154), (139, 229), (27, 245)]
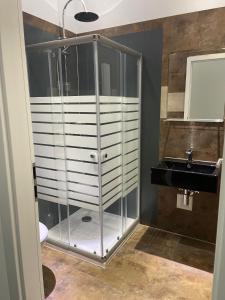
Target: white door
[(20, 255)]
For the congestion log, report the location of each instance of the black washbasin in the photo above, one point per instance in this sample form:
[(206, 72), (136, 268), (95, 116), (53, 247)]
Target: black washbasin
[(197, 176)]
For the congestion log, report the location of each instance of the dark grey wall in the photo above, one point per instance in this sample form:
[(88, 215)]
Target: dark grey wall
[(38, 68), (37, 62), (150, 44), (35, 35)]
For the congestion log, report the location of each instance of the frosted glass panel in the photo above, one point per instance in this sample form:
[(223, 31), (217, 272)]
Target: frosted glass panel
[(207, 89)]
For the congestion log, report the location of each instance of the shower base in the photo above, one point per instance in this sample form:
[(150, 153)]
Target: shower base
[(85, 236)]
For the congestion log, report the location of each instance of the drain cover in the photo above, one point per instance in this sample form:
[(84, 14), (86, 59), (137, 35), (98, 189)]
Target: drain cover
[(86, 219)]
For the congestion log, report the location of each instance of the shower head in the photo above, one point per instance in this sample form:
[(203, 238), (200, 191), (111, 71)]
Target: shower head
[(86, 16)]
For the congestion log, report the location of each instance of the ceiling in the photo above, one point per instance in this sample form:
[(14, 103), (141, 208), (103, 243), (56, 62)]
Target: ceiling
[(114, 13)]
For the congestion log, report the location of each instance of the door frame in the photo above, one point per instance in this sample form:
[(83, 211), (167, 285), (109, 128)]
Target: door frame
[(219, 265), (18, 210)]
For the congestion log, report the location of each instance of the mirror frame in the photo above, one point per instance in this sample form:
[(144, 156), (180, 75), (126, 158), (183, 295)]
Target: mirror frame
[(188, 85)]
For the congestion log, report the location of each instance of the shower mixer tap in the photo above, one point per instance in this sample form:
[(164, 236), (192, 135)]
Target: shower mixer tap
[(189, 153)]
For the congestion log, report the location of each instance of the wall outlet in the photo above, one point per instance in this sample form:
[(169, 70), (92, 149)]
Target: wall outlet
[(181, 202)]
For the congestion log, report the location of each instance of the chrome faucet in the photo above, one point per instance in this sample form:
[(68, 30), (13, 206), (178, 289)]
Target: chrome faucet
[(189, 153)]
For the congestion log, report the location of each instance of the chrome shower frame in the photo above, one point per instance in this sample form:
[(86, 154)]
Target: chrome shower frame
[(99, 39), (84, 39)]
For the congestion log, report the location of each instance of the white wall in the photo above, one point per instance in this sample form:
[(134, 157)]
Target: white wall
[(121, 12), (17, 202)]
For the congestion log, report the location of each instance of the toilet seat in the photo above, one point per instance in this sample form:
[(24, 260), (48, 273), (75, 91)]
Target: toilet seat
[(43, 232)]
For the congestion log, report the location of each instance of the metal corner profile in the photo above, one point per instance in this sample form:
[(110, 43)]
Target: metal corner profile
[(84, 39)]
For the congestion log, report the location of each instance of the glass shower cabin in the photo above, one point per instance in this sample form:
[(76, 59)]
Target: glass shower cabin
[(85, 103)]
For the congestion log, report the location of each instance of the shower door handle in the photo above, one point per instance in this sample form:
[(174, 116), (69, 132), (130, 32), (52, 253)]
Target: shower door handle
[(104, 156), (94, 156)]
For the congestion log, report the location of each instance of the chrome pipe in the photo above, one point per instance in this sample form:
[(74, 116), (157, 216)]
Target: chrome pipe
[(63, 14)]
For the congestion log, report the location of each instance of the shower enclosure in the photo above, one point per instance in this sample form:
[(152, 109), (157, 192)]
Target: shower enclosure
[(85, 103)]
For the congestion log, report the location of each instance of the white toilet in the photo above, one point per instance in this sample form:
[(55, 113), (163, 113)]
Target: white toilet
[(43, 232)]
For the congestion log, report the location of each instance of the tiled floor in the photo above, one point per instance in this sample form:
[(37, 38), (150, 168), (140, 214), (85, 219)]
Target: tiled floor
[(145, 267), (194, 253)]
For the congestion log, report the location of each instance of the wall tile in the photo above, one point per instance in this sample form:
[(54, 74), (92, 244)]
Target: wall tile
[(200, 223), (175, 102), (164, 100), (205, 139)]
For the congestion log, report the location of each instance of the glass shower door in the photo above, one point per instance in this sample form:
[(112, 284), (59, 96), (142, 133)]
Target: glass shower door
[(131, 138), (81, 147), (49, 144), (110, 135), (119, 132)]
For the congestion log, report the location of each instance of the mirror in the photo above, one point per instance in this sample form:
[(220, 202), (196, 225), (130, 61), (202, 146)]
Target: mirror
[(196, 86), (205, 87)]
